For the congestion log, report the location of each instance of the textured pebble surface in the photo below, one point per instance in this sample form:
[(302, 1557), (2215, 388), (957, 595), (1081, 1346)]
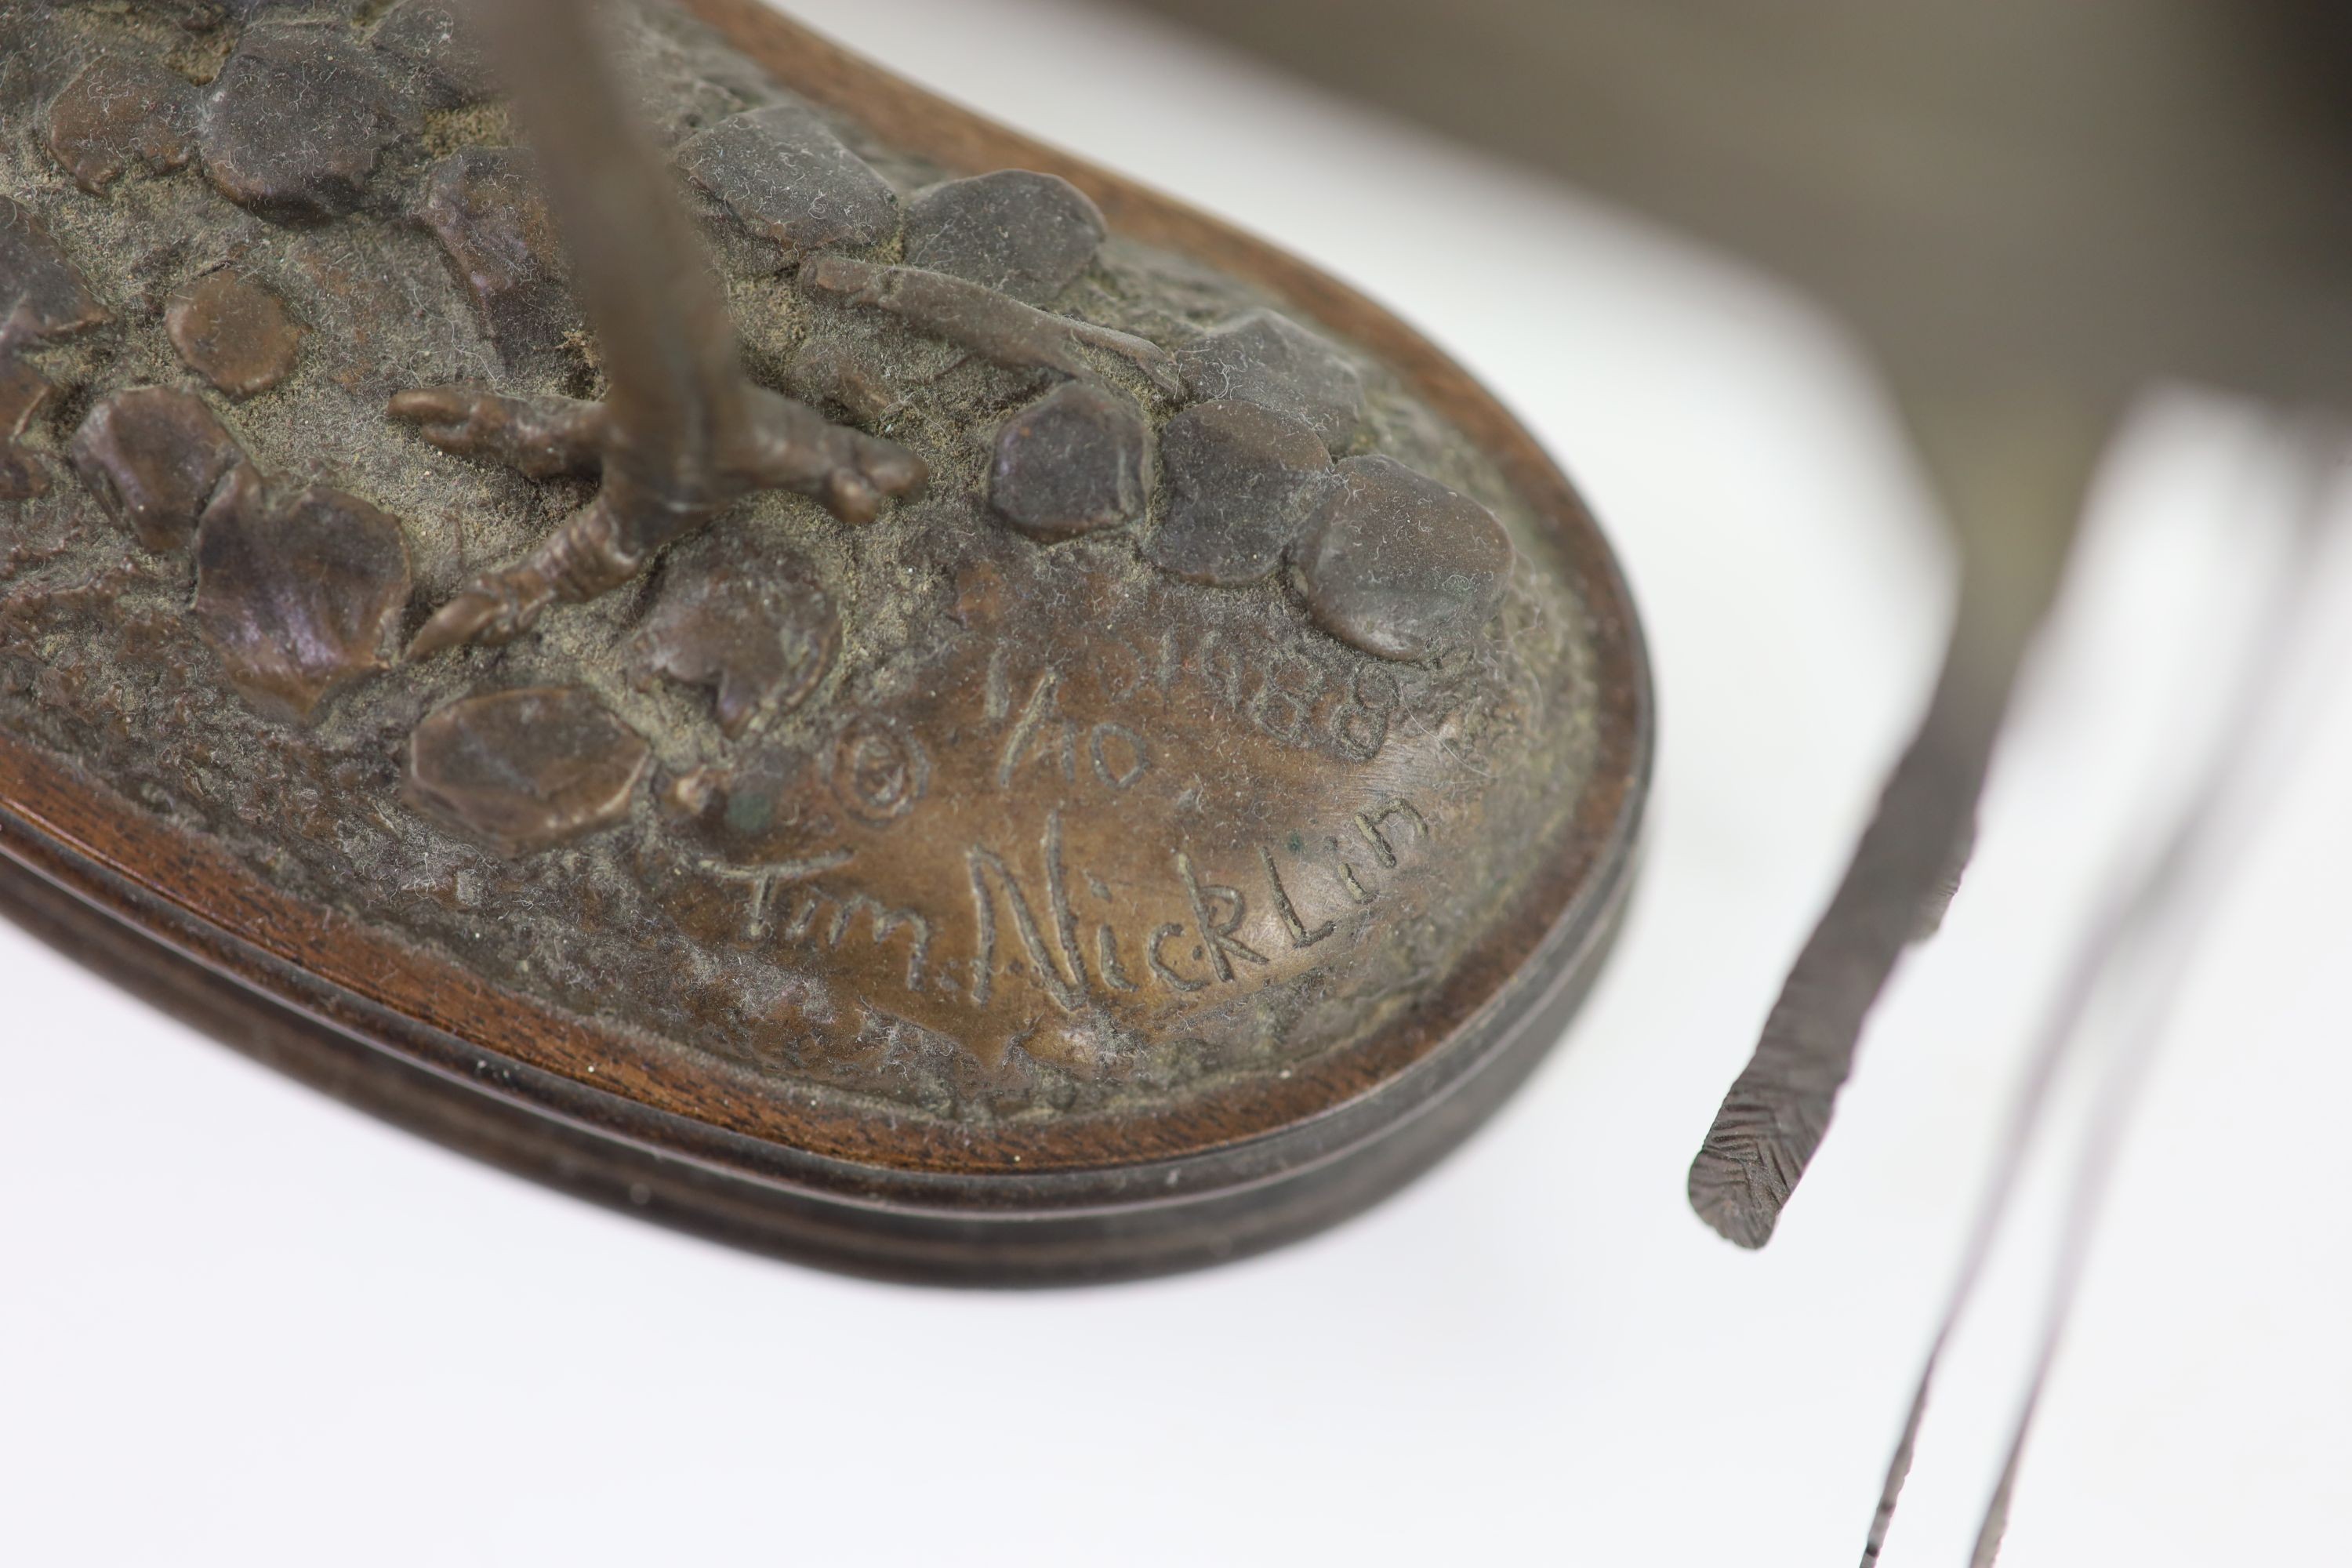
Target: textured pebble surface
[(1138, 582), (1239, 482)]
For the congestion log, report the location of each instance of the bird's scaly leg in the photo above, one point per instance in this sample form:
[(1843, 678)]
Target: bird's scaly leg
[(682, 433), (789, 445)]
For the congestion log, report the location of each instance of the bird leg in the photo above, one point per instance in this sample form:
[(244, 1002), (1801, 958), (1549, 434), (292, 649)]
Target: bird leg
[(785, 445), (682, 434)]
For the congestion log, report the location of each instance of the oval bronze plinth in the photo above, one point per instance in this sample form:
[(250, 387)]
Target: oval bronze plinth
[(1115, 754)]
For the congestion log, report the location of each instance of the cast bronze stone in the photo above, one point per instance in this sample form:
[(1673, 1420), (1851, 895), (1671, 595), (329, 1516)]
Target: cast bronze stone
[(957, 718)]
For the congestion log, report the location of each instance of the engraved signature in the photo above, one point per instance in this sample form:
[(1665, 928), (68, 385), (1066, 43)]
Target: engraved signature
[(1028, 925)]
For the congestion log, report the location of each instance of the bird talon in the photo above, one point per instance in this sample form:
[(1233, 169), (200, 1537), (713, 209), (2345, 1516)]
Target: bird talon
[(540, 438), (491, 609), (891, 468), (849, 496), (851, 473)]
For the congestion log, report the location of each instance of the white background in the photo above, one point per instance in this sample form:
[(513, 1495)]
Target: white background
[(239, 1324)]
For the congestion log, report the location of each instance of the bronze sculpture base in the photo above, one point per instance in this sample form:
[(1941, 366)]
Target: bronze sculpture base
[(1144, 1221), (1020, 734)]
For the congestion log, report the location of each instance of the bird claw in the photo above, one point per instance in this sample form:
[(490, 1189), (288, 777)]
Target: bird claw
[(495, 607), (849, 472), (886, 469), (791, 447), (851, 497), (540, 438), (862, 473)]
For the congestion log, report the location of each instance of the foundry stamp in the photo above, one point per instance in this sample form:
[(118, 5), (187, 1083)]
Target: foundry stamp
[(916, 675)]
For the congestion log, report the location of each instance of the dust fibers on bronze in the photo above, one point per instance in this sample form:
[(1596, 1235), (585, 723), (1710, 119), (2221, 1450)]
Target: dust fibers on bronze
[(901, 700)]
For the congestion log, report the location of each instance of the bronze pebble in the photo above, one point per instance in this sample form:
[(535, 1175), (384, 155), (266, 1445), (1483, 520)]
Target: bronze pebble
[(788, 180), (1399, 566), (1237, 482), (1072, 462), (116, 111), (152, 457), (526, 770), (234, 332), (751, 625), (295, 122), (1023, 234), (1268, 359), (299, 595)]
